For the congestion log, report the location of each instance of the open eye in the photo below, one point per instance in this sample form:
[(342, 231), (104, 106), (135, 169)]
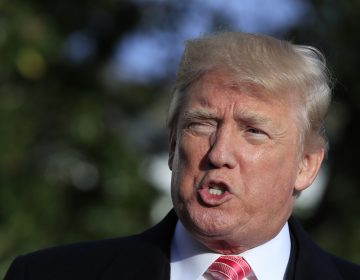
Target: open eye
[(256, 134), (254, 130)]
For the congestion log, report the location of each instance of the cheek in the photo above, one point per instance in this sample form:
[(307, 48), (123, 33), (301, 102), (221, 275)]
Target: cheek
[(191, 153), (186, 164), (270, 179)]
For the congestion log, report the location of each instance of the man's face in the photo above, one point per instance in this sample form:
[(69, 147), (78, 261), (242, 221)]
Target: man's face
[(235, 162)]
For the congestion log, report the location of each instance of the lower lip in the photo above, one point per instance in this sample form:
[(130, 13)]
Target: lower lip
[(212, 200)]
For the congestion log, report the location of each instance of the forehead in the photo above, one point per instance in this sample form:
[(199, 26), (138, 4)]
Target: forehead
[(219, 88)]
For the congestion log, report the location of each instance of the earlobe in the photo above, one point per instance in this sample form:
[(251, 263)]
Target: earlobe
[(308, 169)]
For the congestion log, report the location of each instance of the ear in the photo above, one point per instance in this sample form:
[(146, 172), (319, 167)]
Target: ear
[(172, 145), (308, 168)]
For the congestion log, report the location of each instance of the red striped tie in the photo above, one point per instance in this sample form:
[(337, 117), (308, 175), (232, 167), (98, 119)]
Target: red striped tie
[(229, 268)]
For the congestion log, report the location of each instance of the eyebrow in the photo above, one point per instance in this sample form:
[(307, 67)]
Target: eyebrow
[(252, 118), (243, 116), (199, 114)]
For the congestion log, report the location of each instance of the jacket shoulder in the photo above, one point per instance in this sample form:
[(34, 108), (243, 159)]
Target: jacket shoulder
[(85, 260), (312, 262), (141, 255), (347, 269)]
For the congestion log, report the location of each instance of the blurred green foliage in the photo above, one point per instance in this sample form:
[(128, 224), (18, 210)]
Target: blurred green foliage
[(67, 170), (69, 167)]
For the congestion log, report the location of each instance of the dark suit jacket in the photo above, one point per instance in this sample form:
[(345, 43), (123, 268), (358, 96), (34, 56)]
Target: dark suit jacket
[(147, 255)]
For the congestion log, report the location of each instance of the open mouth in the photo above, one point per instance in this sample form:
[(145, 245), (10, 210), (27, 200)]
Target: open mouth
[(216, 189), (213, 193)]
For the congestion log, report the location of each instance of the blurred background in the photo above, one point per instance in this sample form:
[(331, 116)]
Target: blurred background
[(84, 88)]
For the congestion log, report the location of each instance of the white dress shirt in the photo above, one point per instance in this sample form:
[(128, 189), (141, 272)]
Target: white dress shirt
[(190, 259)]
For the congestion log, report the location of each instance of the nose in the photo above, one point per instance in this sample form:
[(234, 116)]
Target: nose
[(222, 152)]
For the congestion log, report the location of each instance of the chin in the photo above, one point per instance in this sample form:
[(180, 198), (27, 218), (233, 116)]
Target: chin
[(210, 222)]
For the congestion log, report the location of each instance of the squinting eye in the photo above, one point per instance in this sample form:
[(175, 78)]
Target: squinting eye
[(203, 128)]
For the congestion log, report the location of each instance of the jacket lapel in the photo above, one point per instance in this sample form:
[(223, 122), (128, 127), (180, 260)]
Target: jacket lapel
[(147, 255), (307, 260)]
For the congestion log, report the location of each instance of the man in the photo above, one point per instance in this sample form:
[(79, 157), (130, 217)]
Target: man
[(246, 137)]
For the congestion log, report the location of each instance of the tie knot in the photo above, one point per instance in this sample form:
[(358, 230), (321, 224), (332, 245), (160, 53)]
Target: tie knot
[(229, 268)]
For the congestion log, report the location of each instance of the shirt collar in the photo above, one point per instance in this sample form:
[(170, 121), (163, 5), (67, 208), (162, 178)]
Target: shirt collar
[(269, 260), (190, 259)]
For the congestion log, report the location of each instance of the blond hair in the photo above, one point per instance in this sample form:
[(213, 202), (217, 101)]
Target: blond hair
[(275, 65)]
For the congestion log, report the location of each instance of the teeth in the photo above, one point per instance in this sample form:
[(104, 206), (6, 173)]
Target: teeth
[(216, 190)]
